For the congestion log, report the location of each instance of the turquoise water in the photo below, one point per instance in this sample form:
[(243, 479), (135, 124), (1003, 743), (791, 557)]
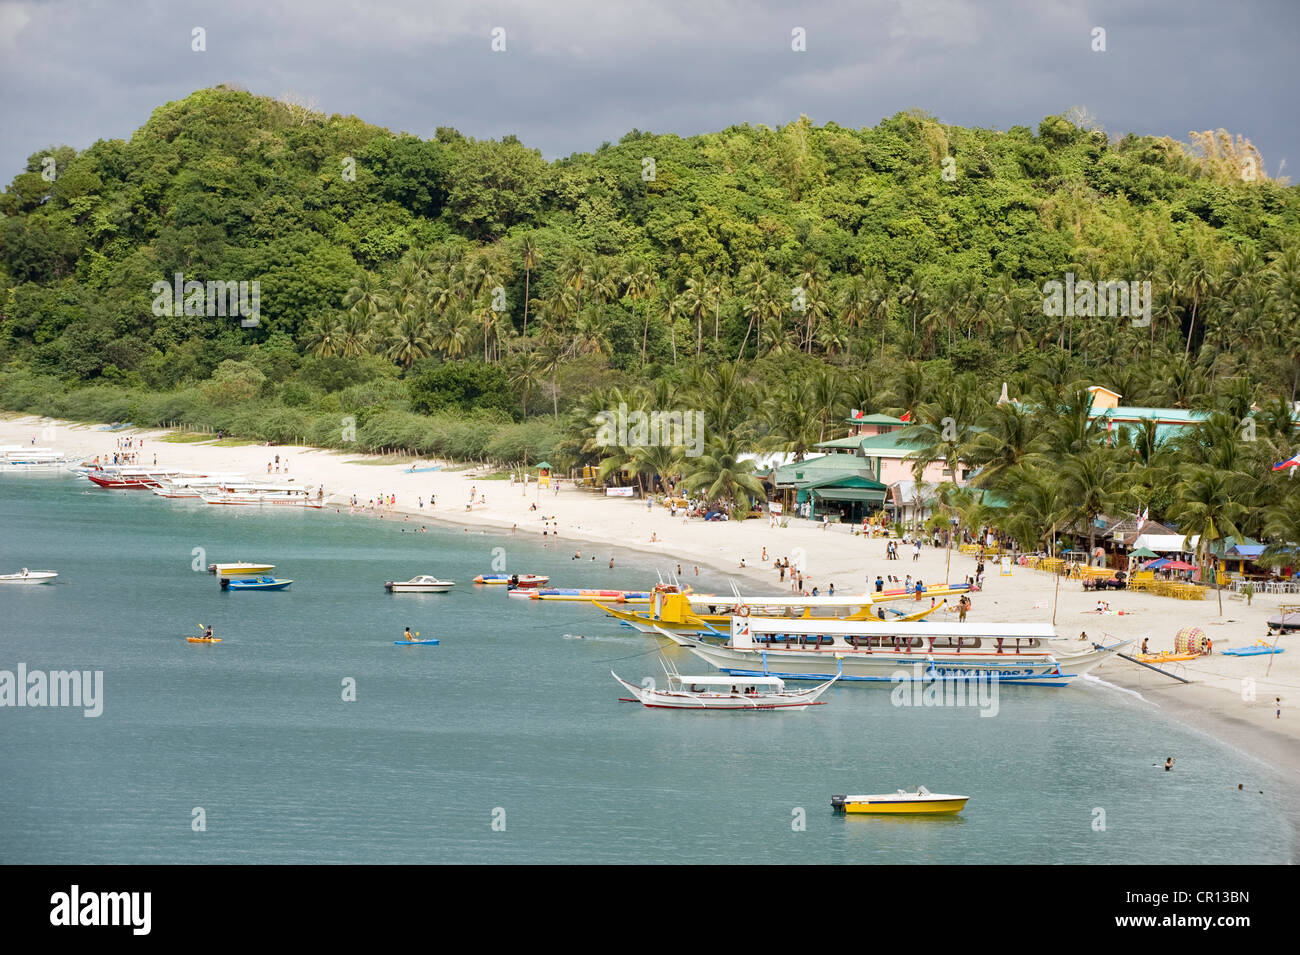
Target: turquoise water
[(512, 712)]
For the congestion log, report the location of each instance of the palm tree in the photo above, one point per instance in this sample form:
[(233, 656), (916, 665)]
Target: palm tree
[(322, 336), (451, 334), (695, 299), (639, 283), (1206, 507), (532, 255), (720, 474), (1091, 483), (410, 340), (526, 374), (354, 333)]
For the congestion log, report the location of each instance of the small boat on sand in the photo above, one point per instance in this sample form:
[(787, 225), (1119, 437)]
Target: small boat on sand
[(26, 576), (422, 584), (1287, 619), (920, 802), (254, 583)]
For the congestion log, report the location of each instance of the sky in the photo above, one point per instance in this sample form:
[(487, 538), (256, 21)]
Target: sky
[(568, 75)]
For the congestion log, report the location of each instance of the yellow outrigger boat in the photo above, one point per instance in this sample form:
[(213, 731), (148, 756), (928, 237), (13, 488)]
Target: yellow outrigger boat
[(710, 614), (921, 802)]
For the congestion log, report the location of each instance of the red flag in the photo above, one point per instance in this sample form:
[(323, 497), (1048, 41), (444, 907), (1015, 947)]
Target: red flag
[(907, 416)]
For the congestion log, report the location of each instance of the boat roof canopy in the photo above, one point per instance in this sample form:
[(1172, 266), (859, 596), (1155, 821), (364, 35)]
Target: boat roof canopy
[(731, 681), (797, 625), (839, 600)]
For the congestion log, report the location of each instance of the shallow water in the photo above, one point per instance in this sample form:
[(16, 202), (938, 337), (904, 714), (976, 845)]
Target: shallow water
[(511, 720)]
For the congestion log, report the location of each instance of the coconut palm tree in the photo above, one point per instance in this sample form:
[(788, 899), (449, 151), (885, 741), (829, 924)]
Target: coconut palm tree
[(639, 283), (532, 255), (410, 340), (1206, 506), (721, 476), (322, 336)]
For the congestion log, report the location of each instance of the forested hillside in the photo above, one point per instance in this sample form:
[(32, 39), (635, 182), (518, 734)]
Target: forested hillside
[(814, 268)]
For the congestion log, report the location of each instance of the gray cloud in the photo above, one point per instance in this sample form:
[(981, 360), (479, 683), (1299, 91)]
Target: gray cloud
[(577, 73)]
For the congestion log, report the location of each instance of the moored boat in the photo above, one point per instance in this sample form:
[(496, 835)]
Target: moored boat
[(26, 576), (513, 580), (254, 583), (718, 692), (920, 802), (590, 596), (256, 495), (421, 584), (872, 651), (240, 569)]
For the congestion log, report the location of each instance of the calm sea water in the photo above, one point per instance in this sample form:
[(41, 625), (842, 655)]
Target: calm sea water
[(512, 719)]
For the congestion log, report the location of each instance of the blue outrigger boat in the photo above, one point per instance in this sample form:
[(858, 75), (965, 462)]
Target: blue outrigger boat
[(254, 583)]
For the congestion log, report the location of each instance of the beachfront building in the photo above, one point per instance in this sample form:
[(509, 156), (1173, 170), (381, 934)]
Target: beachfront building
[(841, 486), (1168, 421)]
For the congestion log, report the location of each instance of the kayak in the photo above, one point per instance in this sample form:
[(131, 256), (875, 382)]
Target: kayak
[(1252, 651), (408, 643), (203, 639)]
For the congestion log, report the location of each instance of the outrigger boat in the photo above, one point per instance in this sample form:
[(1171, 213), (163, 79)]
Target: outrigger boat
[(513, 580), (31, 459), (871, 651), (722, 693), (26, 576), (423, 584), (920, 802), (709, 616), (254, 583), (591, 596), (280, 495)]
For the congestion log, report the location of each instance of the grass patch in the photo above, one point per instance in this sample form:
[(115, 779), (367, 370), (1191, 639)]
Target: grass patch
[(187, 437)]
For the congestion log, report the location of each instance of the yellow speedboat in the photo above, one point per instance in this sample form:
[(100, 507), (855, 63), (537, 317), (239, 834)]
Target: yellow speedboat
[(920, 802)]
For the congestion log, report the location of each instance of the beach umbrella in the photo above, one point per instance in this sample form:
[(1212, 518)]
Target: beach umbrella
[(1179, 565), (1156, 564), (1143, 553)]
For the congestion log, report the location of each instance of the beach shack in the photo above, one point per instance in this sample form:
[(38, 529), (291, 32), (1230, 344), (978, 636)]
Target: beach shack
[(543, 473)]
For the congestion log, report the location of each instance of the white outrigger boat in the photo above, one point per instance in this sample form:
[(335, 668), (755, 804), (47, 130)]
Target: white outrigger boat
[(26, 576), (252, 494), (718, 692), (32, 459), (872, 651), (192, 487), (422, 584)]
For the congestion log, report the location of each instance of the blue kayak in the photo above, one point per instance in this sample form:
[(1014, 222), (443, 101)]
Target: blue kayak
[(1252, 651), (254, 583), (407, 643)]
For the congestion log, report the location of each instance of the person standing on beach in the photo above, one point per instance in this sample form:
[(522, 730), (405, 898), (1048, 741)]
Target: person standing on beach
[(1279, 708)]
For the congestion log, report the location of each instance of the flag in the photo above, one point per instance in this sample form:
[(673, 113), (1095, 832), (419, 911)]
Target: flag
[(907, 416), (1142, 518), (1291, 462), (855, 414)]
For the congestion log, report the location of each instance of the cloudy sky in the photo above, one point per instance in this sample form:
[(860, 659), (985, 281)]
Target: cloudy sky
[(575, 73)]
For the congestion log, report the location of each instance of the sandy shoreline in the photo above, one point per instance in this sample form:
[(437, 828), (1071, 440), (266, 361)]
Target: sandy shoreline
[(1215, 703)]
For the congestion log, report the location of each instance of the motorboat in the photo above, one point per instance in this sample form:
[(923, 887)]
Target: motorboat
[(920, 802), (254, 583), (422, 584), (26, 576), (240, 569)]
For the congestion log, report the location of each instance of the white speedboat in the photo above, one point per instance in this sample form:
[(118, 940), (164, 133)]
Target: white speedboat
[(921, 801), (423, 584), (722, 692), (26, 576)]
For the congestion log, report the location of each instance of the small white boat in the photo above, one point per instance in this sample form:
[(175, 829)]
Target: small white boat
[(722, 692), (423, 584), (902, 802), (28, 577)]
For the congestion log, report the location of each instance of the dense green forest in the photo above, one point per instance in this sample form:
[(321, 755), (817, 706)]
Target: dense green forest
[(468, 298)]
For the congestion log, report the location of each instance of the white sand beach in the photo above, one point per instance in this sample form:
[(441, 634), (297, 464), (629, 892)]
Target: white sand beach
[(1231, 698)]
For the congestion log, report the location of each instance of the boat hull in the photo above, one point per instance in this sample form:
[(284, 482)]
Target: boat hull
[(899, 805)]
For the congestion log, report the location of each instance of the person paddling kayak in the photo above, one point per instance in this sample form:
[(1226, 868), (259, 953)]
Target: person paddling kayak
[(408, 635)]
